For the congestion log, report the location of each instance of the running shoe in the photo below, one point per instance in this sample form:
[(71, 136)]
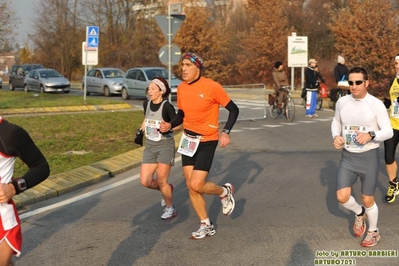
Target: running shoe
[(359, 227), (168, 213), (315, 115), (309, 116), (203, 231), (228, 202), (163, 203), (393, 190), (371, 239)]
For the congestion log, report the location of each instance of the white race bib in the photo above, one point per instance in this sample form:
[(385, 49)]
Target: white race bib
[(350, 137), (188, 145), (395, 109), (152, 129), (8, 216)]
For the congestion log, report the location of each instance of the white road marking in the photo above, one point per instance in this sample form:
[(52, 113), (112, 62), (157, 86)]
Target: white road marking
[(83, 196)]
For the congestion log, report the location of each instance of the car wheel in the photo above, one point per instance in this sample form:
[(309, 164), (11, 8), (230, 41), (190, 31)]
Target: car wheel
[(26, 88), (42, 89), (107, 93), (125, 94), (66, 91), (11, 87)]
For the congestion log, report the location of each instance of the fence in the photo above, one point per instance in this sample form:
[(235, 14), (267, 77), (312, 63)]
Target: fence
[(250, 99)]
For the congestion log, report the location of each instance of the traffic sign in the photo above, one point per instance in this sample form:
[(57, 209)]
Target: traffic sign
[(164, 54), (92, 36), (176, 21)]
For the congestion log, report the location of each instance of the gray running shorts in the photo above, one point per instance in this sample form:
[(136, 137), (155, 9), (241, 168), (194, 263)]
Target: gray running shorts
[(162, 151), (363, 165)]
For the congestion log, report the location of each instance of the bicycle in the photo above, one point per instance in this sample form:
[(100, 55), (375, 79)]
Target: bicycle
[(290, 110)]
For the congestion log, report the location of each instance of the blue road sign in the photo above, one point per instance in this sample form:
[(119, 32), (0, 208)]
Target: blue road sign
[(92, 36)]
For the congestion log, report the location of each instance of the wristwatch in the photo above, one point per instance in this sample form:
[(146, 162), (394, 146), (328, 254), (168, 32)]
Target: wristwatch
[(19, 185), (226, 131), (372, 134)]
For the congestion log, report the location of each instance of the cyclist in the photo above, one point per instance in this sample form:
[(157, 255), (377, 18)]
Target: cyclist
[(280, 81), (341, 73)]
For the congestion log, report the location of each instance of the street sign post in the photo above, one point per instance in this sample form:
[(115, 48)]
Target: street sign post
[(90, 51), (169, 25)]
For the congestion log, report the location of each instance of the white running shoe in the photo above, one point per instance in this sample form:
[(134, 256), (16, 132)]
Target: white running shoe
[(203, 231), (228, 202), (163, 203), (168, 213)]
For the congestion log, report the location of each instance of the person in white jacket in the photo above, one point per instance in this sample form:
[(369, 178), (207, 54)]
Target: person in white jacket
[(360, 123)]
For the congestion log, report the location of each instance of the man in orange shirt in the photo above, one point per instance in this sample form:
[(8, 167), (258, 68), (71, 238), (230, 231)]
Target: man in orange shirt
[(198, 101)]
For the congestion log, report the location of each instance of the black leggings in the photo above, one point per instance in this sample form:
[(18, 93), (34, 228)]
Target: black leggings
[(390, 147)]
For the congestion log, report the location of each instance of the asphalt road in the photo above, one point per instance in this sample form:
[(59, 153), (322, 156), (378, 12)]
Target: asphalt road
[(286, 212)]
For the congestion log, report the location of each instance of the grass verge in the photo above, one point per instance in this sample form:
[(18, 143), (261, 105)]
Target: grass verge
[(69, 141), (22, 99)]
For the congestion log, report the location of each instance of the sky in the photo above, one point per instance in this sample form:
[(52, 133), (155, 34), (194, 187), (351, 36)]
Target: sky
[(25, 11)]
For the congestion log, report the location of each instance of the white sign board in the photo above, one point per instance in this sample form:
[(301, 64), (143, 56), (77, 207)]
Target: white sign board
[(91, 53), (297, 51)]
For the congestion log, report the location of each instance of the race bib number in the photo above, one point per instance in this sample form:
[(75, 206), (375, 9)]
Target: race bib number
[(188, 145), (350, 137), (152, 129), (395, 109)]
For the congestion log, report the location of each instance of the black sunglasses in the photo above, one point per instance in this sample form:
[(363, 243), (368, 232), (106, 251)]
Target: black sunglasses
[(357, 82)]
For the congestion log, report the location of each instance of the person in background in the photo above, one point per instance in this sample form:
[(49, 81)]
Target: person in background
[(280, 81), (311, 87), (16, 142), (341, 71), (360, 123), (198, 101), (391, 144), (159, 152)]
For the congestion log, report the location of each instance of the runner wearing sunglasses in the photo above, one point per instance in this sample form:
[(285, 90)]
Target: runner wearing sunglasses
[(359, 124)]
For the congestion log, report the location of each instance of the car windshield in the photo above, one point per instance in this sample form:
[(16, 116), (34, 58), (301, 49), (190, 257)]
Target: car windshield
[(152, 73), (49, 74), (113, 73), (29, 68)]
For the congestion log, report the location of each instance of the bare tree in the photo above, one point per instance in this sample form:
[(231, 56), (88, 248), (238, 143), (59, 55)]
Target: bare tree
[(8, 22), (56, 40)]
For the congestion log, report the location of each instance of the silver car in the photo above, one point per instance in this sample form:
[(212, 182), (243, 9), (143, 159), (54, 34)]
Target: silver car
[(46, 80), (106, 81), (136, 81)]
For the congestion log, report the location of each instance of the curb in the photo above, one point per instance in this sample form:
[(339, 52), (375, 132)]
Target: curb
[(62, 183), (106, 107)]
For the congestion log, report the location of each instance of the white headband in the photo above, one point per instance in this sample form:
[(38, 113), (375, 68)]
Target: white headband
[(160, 85)]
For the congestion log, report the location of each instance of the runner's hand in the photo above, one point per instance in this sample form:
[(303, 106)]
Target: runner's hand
[(7, 191), (165, 127), (338, 142), (224, 139)]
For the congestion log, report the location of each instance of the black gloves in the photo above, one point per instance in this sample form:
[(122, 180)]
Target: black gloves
[(139, 137), (387, 102)]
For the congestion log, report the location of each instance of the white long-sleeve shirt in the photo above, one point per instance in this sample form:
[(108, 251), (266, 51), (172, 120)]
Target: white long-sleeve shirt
[(367, 114)]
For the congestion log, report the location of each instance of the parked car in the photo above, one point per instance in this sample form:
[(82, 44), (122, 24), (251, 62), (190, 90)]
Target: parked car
[(1, 83), (46, 80), (106, 81), (18, 74), (136, 81)]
